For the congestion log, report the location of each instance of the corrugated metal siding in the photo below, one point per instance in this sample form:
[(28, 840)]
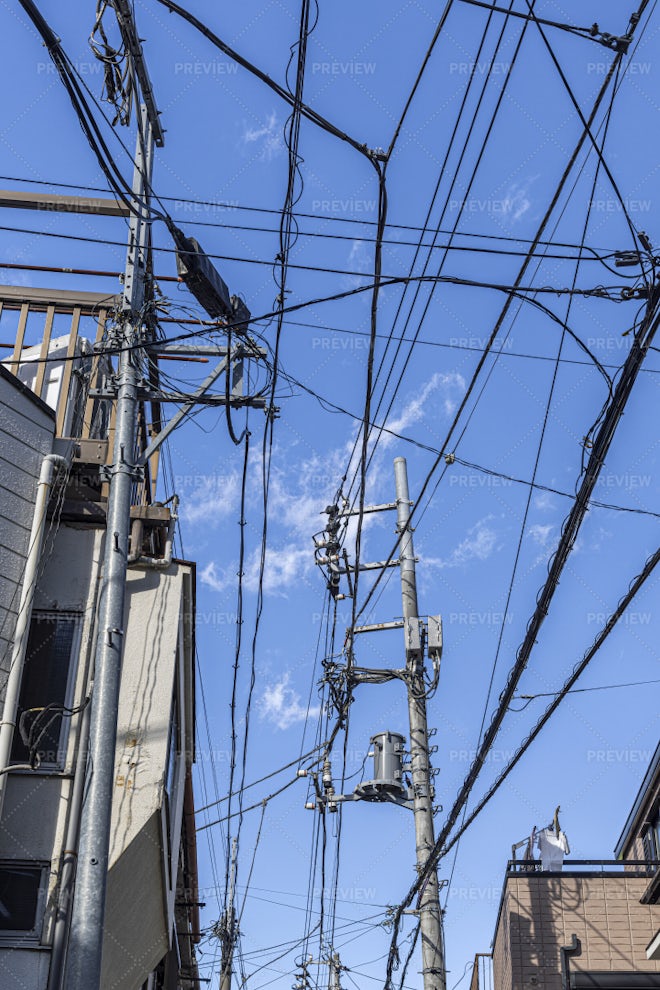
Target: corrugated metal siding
[(26, 436)]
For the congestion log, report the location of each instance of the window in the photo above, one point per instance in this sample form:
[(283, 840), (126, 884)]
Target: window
[(45, 690), (650, 842), (172, 788), (173, 750), (22, 898)]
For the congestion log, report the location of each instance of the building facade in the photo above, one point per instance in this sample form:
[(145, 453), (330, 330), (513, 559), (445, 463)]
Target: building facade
[(152, 910), (591, 924)]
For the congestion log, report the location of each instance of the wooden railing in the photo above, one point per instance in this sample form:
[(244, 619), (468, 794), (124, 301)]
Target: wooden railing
[(79, 367)]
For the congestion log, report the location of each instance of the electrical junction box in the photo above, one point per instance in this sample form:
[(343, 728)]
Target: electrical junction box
[(413, 637), (434, 636)]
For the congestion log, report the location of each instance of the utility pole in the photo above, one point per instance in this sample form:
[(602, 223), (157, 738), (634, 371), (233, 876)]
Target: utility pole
[(335, 971), (387, 785), (430, 918), (226, 927), (83, 966)]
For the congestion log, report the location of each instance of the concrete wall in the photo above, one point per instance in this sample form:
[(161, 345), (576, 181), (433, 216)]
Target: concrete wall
[(36, 807), (140, 894), (541, 913), (26, 435), (145, 833)]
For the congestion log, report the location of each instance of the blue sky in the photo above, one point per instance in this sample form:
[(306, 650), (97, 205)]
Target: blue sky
[(224, 146)]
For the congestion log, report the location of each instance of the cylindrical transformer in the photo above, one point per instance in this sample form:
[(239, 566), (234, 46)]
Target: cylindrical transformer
[(388, 750)]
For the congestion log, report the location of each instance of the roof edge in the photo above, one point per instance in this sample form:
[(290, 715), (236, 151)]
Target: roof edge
[(632, 820)]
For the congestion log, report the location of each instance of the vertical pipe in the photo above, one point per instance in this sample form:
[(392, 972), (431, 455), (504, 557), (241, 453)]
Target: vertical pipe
[(69, 861), (48, 467), (83, 966), (433, 957), (86, 936)]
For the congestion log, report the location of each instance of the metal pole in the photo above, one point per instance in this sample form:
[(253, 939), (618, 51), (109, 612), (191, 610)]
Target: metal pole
[(433, 956), (229, 928), (83, 969), (335, 972)]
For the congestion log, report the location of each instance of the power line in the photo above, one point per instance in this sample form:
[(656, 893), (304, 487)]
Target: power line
[(104, 241), (510, 296), (306, 111), (600, 687), (588, 33), (570, 529), (514, 291), (635, 587), (454, 344), (507, 238), (442, 170)]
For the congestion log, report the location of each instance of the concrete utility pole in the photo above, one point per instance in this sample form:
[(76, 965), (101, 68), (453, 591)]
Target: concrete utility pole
[(433, 955), (334, 982), (226, 928), (83, 967)]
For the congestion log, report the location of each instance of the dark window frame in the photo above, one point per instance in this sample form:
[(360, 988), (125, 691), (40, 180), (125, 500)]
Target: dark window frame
[(34, 934), (51, 616)]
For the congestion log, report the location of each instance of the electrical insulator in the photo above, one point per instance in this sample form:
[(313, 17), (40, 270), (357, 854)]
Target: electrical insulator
[(310, 805), (327, 775)]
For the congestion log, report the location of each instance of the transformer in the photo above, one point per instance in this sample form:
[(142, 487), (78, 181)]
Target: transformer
[(387, 783)]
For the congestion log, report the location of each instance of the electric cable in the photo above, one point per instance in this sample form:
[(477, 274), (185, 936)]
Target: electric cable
[(567, 539), (500, 320), (306, 111), (528, 698), (442, 170), (527, 508), (588, 33), (507, 238), (634, 588)]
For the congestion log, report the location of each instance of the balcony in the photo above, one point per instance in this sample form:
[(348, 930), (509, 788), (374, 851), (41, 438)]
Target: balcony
[(599, 902)]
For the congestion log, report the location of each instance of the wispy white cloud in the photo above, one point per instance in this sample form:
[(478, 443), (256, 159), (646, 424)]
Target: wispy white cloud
[(266, 139), (361, 260), (448, 386), (479, 544), (516, 201), (280, 705), (544, 501), (214, 498), (299, 492), (215, 580), (285, 566), (541, 534)]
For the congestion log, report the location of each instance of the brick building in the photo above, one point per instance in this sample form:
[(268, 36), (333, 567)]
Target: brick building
[(593, 924)]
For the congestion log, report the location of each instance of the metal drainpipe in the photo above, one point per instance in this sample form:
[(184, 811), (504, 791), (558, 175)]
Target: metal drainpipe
[(574, 949), (69, 860), (191, 852), (50, 464)]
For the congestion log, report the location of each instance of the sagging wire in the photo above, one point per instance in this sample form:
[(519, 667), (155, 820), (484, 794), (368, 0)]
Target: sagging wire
[(441, 173), (44, 717), (118, 79), (528, 698), (635, 586), (544, 598), (515, 289)]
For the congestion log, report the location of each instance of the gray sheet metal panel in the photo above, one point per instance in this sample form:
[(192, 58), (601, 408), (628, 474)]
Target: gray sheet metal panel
[(615, 981), (27, 427)]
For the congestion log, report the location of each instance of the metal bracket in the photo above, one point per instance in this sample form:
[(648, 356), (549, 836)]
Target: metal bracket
[(106, 472)]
